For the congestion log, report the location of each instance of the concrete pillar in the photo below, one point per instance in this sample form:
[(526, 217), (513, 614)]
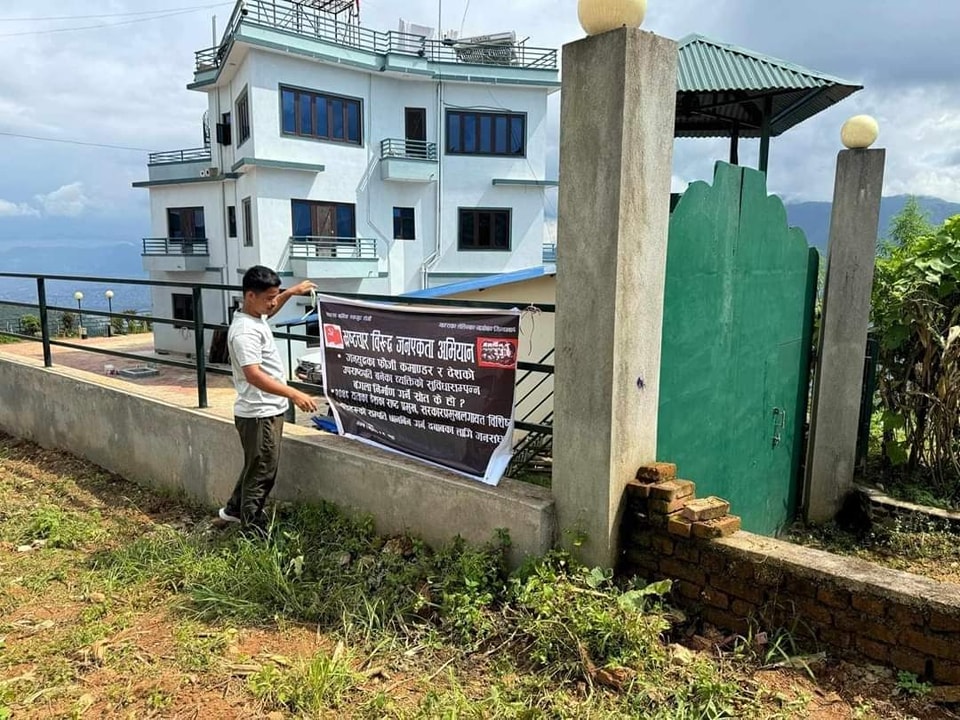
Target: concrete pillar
[(616, 153), (838, 382)]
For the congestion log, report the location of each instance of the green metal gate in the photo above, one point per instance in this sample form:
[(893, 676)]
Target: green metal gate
[(738, 321)]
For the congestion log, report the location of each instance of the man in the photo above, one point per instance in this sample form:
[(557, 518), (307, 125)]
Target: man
[(262, 393)]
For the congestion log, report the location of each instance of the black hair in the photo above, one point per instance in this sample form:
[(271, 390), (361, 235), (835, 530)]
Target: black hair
[(259, 279)]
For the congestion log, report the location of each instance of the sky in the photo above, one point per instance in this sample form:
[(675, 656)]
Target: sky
[(124, 85)]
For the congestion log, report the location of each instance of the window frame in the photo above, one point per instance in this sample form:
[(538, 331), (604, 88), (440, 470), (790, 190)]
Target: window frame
[(194, 211), (242, 114), (314, 95), (335, 206), (187, 299), (398, 230), (477, 115), (493, 211), (247, 211), (231, 221)]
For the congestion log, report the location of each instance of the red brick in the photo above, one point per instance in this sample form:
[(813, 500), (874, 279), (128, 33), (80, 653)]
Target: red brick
[(687, 551), (725, 620), (715, 598), (737, 588), (799, 588), (906, 616), (834, 597), (722, 527), (835, 638), (679, 527), (688, 590), (873, 649), (812, 611), (941, 622), (743, 608), (709, 508), (665, 507), (869, 605), (637, 491), (947, 673), (657, 472), (877, 631), (929, 645), (671, 490), (712, 562), (908, 660), (662, 545), (675, 569)]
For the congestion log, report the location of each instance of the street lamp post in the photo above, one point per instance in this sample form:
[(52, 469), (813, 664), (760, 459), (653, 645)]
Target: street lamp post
[(109, 296), (78, 296)]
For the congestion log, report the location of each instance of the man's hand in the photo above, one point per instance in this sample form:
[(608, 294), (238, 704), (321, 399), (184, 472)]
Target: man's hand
[(303, 401), (304, 288)]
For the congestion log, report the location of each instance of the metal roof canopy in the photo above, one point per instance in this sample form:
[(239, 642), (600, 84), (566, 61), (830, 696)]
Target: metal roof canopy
[(728, 91)]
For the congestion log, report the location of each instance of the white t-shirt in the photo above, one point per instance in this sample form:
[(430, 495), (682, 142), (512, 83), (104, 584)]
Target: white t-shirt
[(251, 342)]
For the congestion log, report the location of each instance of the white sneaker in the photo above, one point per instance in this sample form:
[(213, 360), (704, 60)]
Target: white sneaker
[(222, 514)]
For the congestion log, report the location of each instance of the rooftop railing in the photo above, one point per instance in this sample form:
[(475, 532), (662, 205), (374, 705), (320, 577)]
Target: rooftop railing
[(310, 22), (170, 157), (176, 246)]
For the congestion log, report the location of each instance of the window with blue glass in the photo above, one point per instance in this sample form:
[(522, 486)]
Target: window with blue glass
[(485, 133), (321, 116), (484, 229), (316, 219)]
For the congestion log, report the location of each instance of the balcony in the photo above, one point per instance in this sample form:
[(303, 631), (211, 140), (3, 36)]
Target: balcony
[(400, 52), (173, 157), (334, 257), (408, 160), (549, 253), (180, 166), (175, 254)]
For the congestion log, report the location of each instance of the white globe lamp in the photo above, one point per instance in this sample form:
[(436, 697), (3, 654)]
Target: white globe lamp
[(600, 16), (859, 132)]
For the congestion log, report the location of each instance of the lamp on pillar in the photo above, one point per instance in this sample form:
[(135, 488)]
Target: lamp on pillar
[(859, 132), (600, 16), (109, 295), (78, 296)]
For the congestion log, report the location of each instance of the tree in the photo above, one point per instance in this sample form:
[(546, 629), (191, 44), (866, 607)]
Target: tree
[(67, 322), (29, 324), (916, 315)]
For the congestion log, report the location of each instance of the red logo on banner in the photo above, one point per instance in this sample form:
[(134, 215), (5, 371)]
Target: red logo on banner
[(333, 336), (497, 353)]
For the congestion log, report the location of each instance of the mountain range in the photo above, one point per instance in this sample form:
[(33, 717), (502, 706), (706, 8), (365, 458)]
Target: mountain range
[(103, 249)]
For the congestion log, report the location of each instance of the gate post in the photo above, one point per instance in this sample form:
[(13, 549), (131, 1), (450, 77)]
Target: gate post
[(616, 153), (838, 380)]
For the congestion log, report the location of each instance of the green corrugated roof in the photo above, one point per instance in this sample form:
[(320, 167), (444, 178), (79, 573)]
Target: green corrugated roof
[(721, 84)]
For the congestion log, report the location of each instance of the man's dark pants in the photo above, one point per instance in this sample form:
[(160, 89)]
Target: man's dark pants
[(261, 439)]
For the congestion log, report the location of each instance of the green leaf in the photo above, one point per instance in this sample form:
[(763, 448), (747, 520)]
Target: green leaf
[(897, 453), (893, 421)]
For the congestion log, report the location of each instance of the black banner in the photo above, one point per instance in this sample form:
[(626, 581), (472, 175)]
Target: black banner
[(434, 384)]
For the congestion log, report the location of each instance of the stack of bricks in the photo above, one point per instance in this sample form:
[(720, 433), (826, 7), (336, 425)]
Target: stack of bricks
[(668, 503)]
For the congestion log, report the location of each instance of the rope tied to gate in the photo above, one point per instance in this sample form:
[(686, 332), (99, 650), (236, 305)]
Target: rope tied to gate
[(532, 312)]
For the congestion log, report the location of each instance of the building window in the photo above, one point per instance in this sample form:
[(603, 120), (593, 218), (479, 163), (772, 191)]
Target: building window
[(484, 229), (483, 133), (313, 219), (231, 221), (321, 116), (243, 118), (404, 224), (182, 308), (247, 223)]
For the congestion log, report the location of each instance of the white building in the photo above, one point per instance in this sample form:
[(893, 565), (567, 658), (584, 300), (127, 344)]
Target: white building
[(367, 161)]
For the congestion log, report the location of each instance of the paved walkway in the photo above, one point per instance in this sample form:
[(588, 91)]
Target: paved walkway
[(177, 386)]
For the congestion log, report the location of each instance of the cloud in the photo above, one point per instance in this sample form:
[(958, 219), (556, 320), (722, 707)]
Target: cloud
[(11, 209), (66, 201)]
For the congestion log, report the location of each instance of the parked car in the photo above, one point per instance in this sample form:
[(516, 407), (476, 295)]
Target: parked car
[(310, 367)]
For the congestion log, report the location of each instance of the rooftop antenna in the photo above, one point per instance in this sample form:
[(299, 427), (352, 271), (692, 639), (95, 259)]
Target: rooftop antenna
[(214, 31)]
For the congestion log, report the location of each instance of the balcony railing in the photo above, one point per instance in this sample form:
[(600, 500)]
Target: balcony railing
[(307, 21), (341, 248), (408, 149), (169, 157), (176, 246), (549, 253)]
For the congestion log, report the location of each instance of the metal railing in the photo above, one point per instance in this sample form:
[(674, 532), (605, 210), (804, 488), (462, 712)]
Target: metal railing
[(408, 149), (536, 422), (339, 248), (171, 157), (176, 246), (294, 17), (549, 252)]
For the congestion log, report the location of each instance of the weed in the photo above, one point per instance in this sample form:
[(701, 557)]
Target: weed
[(310, 687), (909, 684), (54, 527)]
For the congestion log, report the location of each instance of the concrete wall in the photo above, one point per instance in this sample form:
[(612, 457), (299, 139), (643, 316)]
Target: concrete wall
[(161, 445)]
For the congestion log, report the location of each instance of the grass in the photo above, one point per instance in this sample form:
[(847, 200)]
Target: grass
[(132, 605)]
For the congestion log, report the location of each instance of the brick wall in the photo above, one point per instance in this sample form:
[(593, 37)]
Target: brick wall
[(847, 606)]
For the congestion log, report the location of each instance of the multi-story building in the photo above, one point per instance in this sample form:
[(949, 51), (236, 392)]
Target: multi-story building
[(373, 162)]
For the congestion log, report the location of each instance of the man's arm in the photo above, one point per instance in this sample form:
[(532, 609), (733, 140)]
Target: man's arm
[(303, 288), (260, 380)]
